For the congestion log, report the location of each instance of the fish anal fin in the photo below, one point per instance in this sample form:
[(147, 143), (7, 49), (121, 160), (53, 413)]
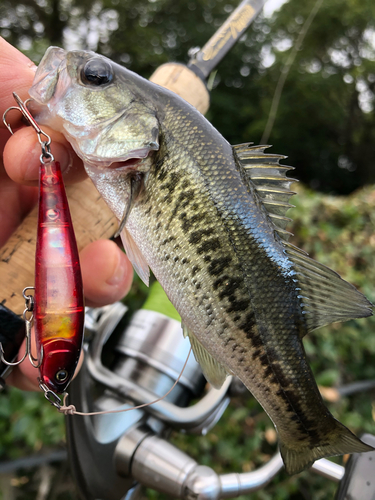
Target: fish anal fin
[(213, 371), (324, 296), (136, 258), (339, 441)]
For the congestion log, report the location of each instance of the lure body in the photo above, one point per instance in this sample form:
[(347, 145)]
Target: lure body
[(59, 303)]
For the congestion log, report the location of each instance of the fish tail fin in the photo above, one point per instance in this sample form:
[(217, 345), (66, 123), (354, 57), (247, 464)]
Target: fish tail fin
[(339, 441)]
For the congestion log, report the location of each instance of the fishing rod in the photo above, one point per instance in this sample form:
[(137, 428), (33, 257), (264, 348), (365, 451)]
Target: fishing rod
[(113, 459), (91, 217)]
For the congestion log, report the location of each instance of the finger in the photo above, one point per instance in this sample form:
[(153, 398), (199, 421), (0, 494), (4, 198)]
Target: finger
[(22, 157), (106, 271), (24, 376), (15, 203), (16, 75), (107, 276)]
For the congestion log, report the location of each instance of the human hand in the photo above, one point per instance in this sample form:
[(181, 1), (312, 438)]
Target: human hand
[(106, 271)]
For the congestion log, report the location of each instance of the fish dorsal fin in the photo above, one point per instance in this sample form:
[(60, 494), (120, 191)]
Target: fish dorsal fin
[(325, 297), (213, 371), (270, 181), (134, 255)]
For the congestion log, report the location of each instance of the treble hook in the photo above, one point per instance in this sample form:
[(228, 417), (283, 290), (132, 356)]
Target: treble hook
[(29, 306), (22, 107)]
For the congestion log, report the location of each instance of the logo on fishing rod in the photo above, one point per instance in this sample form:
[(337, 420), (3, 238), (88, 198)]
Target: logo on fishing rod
[(232, 28)]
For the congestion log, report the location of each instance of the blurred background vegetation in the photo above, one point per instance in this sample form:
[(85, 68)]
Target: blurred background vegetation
[(325, 123)]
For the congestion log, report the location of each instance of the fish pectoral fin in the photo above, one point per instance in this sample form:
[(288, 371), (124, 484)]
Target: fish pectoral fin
[(135, 187), (324, 296), (214, 372), (339, 441), (136, 258)]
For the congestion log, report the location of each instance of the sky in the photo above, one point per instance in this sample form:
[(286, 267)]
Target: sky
[(272, 5)]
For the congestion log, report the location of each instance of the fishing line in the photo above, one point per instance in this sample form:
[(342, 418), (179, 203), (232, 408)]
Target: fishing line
[(71, 409)]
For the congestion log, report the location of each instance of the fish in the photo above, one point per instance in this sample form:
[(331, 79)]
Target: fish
[(209, 220)]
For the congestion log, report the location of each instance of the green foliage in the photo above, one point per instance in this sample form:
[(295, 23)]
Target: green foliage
[(338, 231), (325, 121), (27, 424)]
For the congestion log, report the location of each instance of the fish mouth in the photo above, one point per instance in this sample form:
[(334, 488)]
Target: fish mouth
[(132, 163), (137, 160), (133, 160)]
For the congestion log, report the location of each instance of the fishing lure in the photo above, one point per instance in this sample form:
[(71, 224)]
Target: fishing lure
[(57, 308)]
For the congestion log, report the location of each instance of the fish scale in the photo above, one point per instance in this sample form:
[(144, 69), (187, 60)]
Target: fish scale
[(238, 304), (209, 220)]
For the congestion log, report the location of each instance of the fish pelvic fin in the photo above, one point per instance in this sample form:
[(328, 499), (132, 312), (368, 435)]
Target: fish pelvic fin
[(136, 258), (339, 441), (214, 372)]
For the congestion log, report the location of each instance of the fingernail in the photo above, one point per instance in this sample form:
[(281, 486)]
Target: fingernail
[(32, 66), (31, 172), (63, 155), (119, 272)]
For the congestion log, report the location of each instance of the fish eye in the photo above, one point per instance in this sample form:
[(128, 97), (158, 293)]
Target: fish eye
[(61, 376), (97, 72)]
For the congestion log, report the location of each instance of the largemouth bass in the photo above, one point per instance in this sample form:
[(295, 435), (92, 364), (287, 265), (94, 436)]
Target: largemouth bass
[(209, 220)]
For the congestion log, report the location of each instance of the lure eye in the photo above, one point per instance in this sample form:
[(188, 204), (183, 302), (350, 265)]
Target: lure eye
[(97, 72), (61, 376)]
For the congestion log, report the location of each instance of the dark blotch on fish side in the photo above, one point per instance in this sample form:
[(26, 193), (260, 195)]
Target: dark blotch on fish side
[(248, 327), (256, 353), (229, 286), (217, 266), (256, 339), (238, 305), (197, 236), (283, 379), (209, 246), (188, 224), (264, 359), (173, 179)]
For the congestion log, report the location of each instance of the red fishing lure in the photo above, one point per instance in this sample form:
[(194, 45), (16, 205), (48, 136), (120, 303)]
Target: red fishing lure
[(59, 303), (57, 308)]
